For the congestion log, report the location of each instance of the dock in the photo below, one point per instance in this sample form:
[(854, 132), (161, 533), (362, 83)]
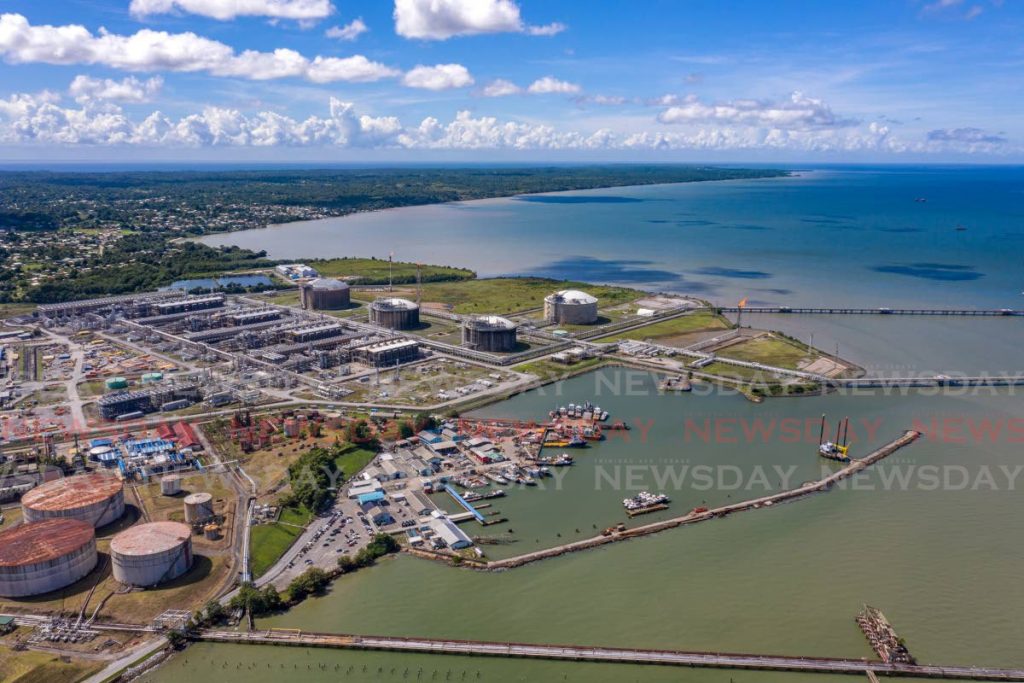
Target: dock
[(831, 310), (580, 653), (464, 503), (694, 517)]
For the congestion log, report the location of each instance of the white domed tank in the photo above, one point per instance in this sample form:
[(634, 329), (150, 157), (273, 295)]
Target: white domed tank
[(44, 556), (395, 313), (198, 508), (94, 498), (170, 485), (490, 333), (151, 554), (325, 294), (570, 307)]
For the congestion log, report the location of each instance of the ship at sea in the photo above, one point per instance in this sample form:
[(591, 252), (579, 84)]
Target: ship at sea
[(644, 500)]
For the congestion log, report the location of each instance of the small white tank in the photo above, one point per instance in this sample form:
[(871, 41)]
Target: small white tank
[(170, 485), (198, 508)]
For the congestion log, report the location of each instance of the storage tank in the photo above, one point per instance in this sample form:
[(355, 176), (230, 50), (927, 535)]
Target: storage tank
[(490, 333), (198, 507), (116, 383), (170, 485), (395, 313), (44, 556), (325, 294), (150, 554), (570, 307), (94, 498)]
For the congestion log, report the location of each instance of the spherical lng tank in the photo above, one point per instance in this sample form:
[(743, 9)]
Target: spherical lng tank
[(198, 507), (95, 498), (395, 313), (490, 333), (170, 485), (325, 294), (44, 556), (570, 307), (150, 554)]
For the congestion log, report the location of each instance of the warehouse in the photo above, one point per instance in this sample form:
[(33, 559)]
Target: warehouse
[(395, 314), (325, 294), (570, 307), (95, 498), (489, 333), (151, 554), (44, 556), (389, 353)]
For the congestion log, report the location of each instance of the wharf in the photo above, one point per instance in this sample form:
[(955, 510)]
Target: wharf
[(646, 510), (830, 310), (720, 660), (693, 517)]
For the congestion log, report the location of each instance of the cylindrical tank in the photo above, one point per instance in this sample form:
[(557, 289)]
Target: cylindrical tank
[(116, 383), (94, 498), (170, 485), (395, 313), (489, 333), (198, 507), (325, 294), (150, 554), (570, 307), (212, 532), (44, 556)]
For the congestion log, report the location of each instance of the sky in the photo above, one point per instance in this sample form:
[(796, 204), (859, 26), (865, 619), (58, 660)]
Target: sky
[(889, 81)]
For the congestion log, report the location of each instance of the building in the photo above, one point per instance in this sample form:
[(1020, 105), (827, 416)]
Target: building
[(308, 333), (325, 294), (570, 307), (190, 303), (489, 333), (389, 353), (97, 499), (452, 536), (44, 556), (151, 554), (296, 271), (395, 313)]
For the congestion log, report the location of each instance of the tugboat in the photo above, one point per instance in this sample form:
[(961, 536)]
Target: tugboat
[(643, 501), (834, 450)]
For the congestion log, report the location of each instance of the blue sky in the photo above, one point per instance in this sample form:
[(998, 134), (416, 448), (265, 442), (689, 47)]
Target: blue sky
[(511, 80)]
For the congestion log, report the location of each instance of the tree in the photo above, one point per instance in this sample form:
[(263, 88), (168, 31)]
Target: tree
[(310, 582), (214, 613), (405, 430), (176, 639)]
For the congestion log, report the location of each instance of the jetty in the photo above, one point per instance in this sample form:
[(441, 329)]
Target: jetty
[(831, 310), (580, 653), (695, 516)]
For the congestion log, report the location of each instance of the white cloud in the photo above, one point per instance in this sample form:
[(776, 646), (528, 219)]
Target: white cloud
[(798, 112), (501, 88), (303, 10), (549, 84), (130, 90), (147, 50), (443, 19), (438, 77), (349, 31)]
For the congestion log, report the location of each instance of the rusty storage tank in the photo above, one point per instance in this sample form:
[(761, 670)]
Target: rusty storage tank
[(395, 313), (150, 554), (39, 557), (170, 485), (94, 498), (198, 508), (325, 294)]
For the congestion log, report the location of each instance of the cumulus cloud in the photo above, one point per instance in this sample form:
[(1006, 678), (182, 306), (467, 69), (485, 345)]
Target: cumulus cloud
[(224, 10), (349, 31), (438, 77), (443, 19), (550, 84), (147, 50), (130, 90), (798, 112), (501, 88), (42, 119)]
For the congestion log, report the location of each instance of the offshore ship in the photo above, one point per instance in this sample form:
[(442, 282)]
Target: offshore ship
[(834, 450)]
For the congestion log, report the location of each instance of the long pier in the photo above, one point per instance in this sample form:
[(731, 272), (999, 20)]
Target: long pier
[(820, 485), (833, 310), (579, 653)]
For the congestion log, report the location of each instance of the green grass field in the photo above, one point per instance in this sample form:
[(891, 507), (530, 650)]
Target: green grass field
[(699, 321), (375, 271), (775, 351), (42, 667), (353, 460), (509, 295), (268, 542)]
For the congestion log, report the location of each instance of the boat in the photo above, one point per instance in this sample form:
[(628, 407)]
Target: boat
[(834, 450), (576, 441), (592, 433), (644, 500)]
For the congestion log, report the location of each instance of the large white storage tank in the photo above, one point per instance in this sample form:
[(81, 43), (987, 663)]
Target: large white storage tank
[(570, 307), (150, 554), (198, 507), (40, 557), (94, 498)]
